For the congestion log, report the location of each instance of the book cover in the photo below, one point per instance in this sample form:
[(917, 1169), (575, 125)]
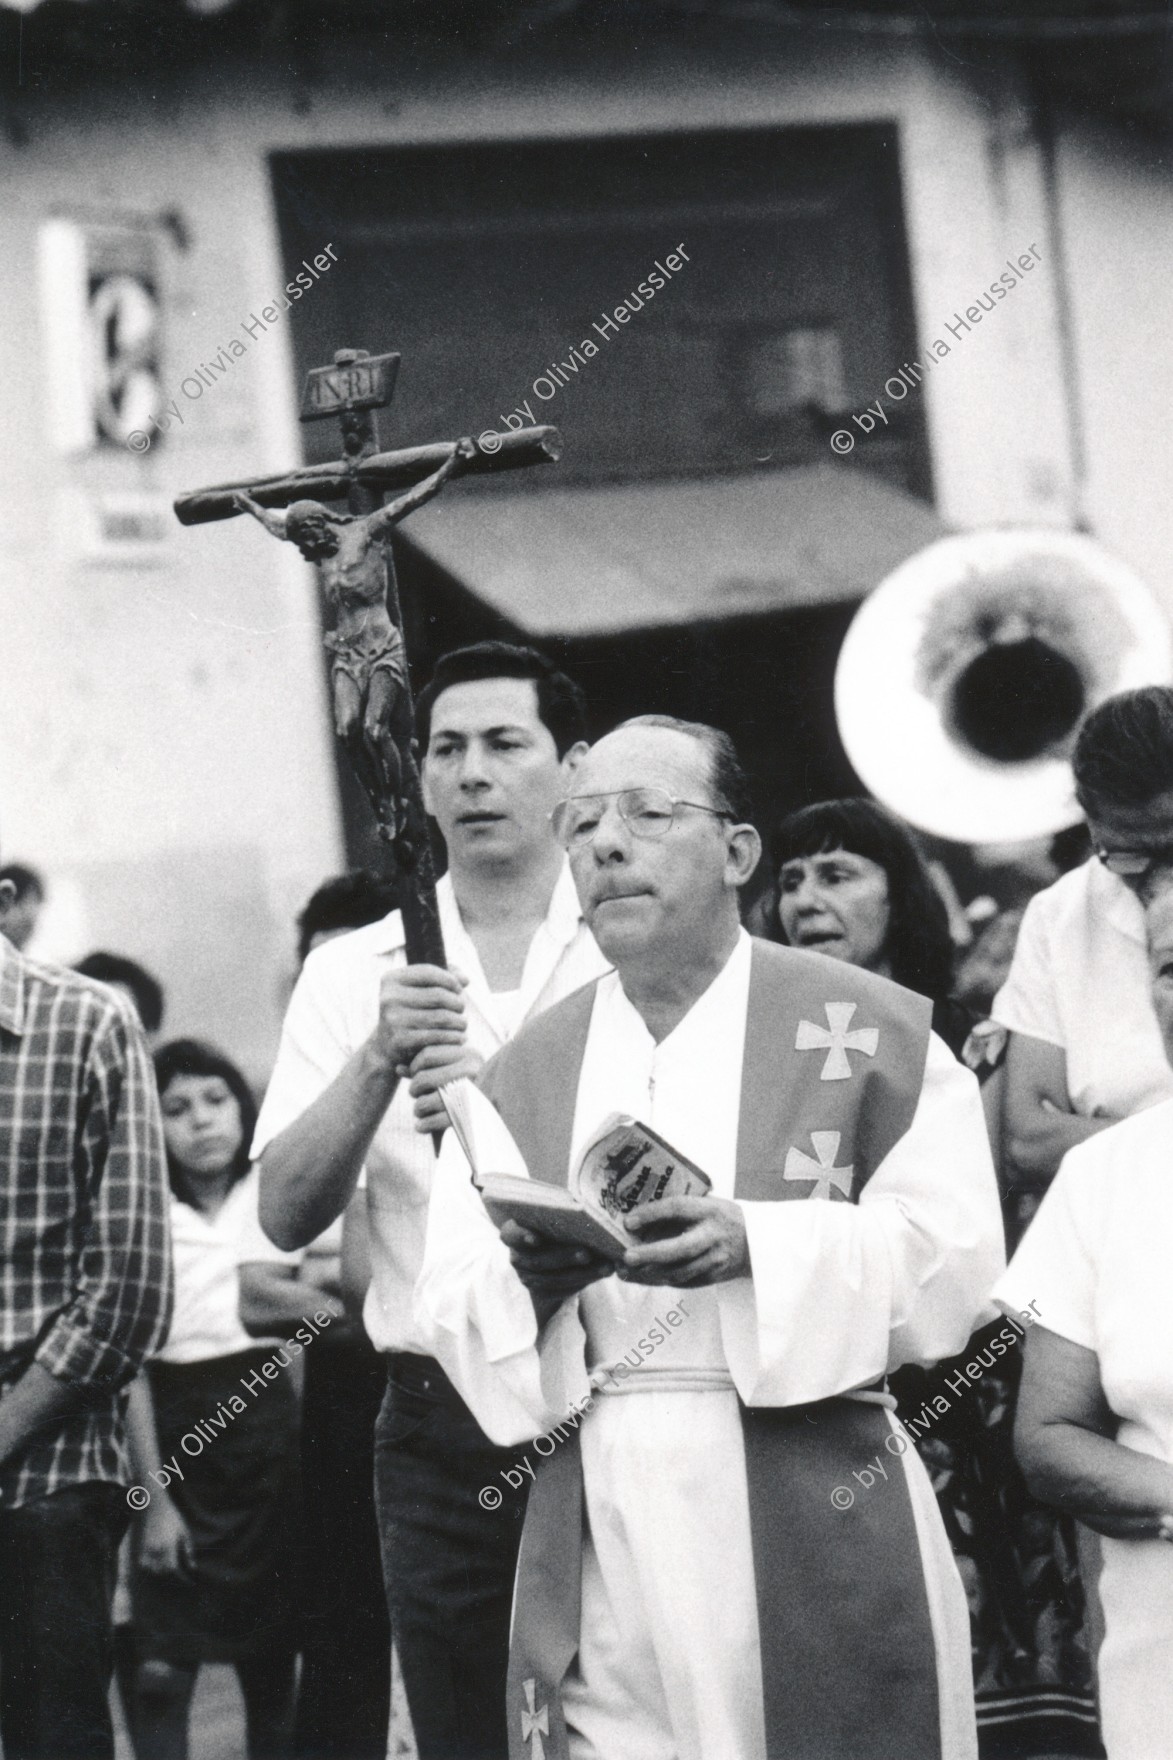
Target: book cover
[(552, 1212), (624, 1166)]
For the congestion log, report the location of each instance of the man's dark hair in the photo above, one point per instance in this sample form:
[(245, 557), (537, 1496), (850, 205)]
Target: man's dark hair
[(348, 901), (24, 879), (193, 1057), (728, 783), (1124, 754), (561, 704), (115, 968), (918, 945), (1070, 848)]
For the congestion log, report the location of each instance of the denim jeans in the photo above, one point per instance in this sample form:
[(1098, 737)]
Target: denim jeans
[(448, 1562), (58, 1558)]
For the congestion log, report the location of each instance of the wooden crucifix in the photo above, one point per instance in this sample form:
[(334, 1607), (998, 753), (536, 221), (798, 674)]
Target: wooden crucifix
[(373, 714)]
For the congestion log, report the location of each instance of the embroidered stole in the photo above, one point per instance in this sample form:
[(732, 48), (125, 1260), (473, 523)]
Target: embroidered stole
[(833, 1068)]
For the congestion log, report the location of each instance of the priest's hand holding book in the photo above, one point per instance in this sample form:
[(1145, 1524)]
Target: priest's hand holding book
[(633, 1205), (707, 1243), (685, 1243), (551, 1270)]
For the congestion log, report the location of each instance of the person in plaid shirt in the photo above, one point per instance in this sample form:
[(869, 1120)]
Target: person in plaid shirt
[(85, 1297)]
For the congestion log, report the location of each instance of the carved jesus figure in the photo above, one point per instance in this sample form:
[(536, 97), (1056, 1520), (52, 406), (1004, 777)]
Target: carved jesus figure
[(369, 669)]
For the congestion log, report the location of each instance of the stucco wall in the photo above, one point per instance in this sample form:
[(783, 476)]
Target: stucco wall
[(1117, 216), (165, 745)]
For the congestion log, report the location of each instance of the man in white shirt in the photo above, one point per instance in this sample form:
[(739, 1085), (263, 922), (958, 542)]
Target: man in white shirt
[(367, 1042), (730, 1549), (344, 1687), (1085, 1048)]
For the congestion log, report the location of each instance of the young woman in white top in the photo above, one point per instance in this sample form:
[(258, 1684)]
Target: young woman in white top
[(216, 1426)]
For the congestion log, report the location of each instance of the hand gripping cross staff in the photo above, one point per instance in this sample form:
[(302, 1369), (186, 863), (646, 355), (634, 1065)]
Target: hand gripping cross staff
[(369, 677)]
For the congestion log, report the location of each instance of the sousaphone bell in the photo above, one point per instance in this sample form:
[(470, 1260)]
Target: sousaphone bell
[(965, 676)]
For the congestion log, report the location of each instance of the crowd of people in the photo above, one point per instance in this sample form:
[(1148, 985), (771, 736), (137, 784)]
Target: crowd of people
[(800, 1469)]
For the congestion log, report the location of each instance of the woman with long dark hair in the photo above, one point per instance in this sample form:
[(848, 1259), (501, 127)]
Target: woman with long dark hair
[(215, 1440), (852, 884)]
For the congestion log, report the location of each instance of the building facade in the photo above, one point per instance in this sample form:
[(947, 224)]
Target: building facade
[(837, 204)]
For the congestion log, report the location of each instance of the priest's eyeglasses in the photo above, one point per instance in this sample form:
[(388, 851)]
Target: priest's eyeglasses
[(647, 812), (1131, 863)]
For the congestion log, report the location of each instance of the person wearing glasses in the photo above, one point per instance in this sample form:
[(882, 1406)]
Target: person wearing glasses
[(1085, 1048), (367, 1042), (730, 1548)]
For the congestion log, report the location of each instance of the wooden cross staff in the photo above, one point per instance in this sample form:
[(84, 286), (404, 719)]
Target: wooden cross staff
[(373, 713)]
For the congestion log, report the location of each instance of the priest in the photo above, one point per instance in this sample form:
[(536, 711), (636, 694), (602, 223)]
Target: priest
[(730, 1548)]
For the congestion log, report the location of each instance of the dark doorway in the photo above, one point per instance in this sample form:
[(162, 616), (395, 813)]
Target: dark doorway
[(487, 264)]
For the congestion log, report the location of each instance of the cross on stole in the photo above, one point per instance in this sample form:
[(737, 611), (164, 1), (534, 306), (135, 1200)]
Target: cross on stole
[(822, 1169), (534, 1723), (371, 688), (836, 1040)]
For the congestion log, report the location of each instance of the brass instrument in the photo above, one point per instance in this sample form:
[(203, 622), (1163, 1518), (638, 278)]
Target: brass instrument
[(965, 676)]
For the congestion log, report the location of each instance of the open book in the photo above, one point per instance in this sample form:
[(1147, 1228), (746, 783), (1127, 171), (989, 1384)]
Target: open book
[(623, 1166)]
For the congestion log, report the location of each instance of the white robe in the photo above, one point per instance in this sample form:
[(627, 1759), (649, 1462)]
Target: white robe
[(838, 1294)]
